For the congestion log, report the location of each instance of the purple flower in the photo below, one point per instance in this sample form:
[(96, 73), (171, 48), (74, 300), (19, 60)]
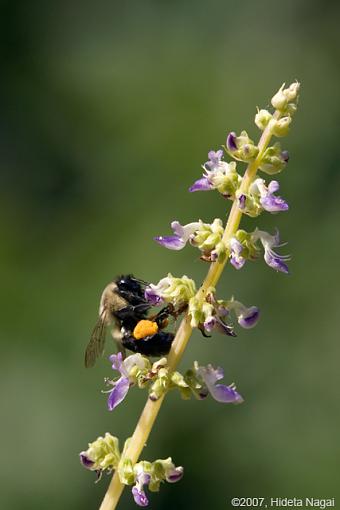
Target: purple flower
[(138, 489), (201, 184), (285, 156), (154, 294), (268, 200), (242, 201), (215, 315), (118, 393), (249, 318), (218, 175), (214, 159), (152, 297), (182, 234), (122, 385), (246, 317), (139, 496), (210, 323), (220, 392), (213, 164), (273, 259), (214, 322), (118, 363), (236, 249), (85, 460), (174, 475), (231, 142)]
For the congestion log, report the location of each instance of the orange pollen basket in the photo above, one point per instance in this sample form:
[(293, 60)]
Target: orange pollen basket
[(145, 328)]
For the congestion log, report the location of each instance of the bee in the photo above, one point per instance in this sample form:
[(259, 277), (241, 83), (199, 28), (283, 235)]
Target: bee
[(124, 307)]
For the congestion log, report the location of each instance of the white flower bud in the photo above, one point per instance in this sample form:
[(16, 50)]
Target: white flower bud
[(285, 96), (281, 126), (262, 119), (279, 101)]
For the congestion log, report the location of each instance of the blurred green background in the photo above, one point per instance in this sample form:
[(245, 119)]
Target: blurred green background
[(108, 109)]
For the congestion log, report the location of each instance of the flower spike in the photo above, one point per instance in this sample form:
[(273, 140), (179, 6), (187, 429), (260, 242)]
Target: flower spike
[(129, 302)]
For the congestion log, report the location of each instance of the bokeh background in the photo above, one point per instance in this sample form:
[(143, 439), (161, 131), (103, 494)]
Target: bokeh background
[(108, 109)]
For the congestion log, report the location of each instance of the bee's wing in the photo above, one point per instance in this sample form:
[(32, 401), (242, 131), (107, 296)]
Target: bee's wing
[(96, 344), (117, 338)]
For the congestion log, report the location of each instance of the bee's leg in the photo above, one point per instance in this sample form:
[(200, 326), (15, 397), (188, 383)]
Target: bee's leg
[(130, 311), (180, 310), (141, 308), (162, 316)]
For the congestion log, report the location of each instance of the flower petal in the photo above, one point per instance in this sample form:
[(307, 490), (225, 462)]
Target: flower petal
[(225, 394), (273, 186), (242, 201), (134, 360), (276, 261), (171, 242), (271, 203), (220, 392), (231, 142), (236, 258), (117, 361), (249, 318), (285, 156), (209, 323), (214, 159), (175, 474), (152, 297), (139, 496), (118, 393), (202, 184), (85, 460)]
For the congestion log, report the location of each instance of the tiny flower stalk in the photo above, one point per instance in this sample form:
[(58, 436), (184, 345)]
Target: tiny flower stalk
[(251, 195)]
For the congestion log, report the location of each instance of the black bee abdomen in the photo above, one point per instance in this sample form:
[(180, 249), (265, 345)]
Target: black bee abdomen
[(158, 344)]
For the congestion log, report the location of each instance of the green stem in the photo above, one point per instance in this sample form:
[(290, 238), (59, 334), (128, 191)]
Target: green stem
[(150, 411)]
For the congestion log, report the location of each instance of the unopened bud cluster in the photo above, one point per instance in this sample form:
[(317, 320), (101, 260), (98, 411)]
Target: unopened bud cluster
[(104, 455)]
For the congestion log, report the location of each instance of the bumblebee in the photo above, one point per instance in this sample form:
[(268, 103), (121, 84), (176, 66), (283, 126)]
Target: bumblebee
[(124, 306)]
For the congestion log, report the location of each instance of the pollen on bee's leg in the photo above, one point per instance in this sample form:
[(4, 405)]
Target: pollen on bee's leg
[(145, 328)]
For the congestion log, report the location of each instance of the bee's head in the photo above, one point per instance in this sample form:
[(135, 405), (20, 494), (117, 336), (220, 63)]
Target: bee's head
[(128, 283)]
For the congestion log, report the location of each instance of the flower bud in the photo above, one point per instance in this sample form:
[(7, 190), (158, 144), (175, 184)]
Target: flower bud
[(279, 101), (126, 472), (284, 97), (160, 386), (262, 119), (281, 126), (274, 160), (196, 313), (292, 91)]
